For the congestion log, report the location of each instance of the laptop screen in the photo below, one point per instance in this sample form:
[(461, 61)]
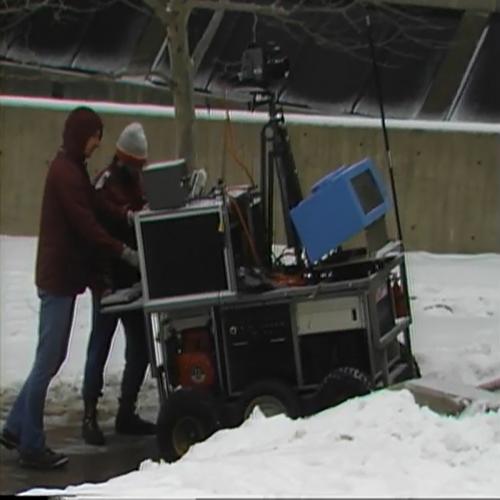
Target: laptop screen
[(166, 184)]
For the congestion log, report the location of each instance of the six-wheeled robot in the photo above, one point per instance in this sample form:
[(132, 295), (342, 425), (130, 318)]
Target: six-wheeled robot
[(235, 322)]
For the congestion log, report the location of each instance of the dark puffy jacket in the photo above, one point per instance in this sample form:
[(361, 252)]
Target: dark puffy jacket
[(70, 237), (118, 188)]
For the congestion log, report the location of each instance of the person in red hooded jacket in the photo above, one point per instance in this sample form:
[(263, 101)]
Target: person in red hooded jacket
[(119, 187), (69, 240)]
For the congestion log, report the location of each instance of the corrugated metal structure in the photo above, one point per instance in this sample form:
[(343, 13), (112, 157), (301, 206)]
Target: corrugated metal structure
[(435, 63)]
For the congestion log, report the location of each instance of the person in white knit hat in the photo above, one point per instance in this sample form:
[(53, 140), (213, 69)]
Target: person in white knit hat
[(132, 145), (119, 187)]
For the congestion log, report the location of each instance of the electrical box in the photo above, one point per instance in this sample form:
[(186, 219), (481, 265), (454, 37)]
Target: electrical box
[(258, 344), (329, 315)]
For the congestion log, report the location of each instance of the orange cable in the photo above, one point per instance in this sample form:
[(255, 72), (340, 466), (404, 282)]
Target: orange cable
[(229, 134)]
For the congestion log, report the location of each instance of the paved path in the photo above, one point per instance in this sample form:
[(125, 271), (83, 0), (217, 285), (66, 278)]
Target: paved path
[(122, 454)]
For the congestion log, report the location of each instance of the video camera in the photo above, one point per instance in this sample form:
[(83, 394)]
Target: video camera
[(263, 65)]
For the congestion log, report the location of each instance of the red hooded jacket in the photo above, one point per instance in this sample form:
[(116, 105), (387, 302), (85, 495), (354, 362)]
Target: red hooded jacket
[(118, 187), (70, 237)]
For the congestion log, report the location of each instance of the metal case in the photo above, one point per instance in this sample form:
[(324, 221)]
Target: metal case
[(185, 253)]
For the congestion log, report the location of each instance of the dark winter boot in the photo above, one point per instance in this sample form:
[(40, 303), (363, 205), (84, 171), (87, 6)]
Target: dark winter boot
[(91, 432), (8, 439), (128, 422)]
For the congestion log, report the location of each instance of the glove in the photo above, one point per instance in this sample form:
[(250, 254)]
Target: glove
[(130, 257), (130, 218)]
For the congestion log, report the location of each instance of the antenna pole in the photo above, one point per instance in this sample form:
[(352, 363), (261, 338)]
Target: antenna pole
[(380, 98), (404, 273)]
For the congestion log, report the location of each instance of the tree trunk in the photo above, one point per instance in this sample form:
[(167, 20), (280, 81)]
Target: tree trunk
[(181, 67)]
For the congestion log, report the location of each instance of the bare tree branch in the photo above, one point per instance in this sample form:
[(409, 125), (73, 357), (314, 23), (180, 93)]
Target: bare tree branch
[(159, 8), (273, 9)]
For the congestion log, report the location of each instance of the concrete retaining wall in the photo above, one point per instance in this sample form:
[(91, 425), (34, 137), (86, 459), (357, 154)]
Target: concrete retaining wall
[(447, 176)]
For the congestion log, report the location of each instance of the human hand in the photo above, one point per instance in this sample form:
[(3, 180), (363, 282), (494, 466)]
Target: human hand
[(130, 256), (130, 217)]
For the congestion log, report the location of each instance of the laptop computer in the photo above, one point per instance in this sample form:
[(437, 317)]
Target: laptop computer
[(166, 184)]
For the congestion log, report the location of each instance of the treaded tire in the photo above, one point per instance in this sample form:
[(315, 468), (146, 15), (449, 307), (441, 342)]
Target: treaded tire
[(230, 414), (272, 396), (187, 417), (340, 385)]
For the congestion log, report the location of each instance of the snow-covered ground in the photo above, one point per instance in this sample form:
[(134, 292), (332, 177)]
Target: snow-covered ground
[(379, 445)]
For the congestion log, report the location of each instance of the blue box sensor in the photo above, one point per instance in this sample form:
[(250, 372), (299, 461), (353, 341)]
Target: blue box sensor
[(340, 205)]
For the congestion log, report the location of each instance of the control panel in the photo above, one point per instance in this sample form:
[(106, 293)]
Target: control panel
[(257, 344)]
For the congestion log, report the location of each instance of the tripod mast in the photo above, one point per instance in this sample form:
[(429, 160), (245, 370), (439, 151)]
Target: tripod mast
[(277, 157)]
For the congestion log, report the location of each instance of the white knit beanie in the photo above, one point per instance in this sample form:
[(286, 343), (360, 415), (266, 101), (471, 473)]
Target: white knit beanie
[(132, 143)]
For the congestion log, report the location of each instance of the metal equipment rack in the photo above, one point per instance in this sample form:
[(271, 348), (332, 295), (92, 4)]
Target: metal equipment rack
[(218, 349), (274, 337), (383, 369)]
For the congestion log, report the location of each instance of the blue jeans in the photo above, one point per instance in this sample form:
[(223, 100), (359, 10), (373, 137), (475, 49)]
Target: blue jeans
[(25, 419), (136, 354)]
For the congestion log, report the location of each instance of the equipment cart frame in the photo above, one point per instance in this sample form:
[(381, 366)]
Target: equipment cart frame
[(329, 331), (294, 349)]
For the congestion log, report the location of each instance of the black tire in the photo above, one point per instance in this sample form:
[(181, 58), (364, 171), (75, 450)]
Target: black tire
[(272, 396), (187, 417), (340, 385), (230, 414)]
